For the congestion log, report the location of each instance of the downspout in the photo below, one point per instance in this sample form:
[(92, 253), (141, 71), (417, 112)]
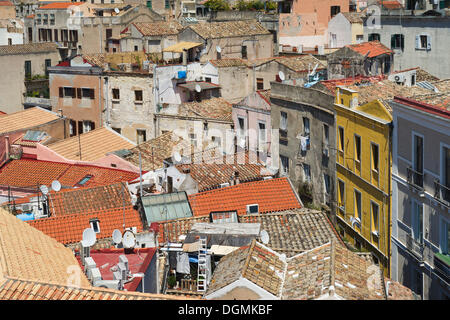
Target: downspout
[(100, 99), (106, 102), (391, 127)]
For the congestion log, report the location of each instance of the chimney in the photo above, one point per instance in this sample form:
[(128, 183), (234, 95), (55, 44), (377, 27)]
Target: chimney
[(7, 147), (236, 177), (186, 170), (184, 57)]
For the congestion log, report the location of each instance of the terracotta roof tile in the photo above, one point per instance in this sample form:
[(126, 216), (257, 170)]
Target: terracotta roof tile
[(214, 108), (302, 63), (169, 231), (20, 49), (28, 253), (374, 48), (30, 173), (49, 290), (229, 62), (354, 17), (271, 195), (59, 5), (228, 29), (95, 144), (26, 119), (69, 228)]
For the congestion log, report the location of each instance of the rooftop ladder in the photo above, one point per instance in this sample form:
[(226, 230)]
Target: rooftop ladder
[(202, 281)]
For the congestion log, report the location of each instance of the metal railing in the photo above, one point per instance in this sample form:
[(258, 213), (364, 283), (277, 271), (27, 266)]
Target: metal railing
[(415, 247), (441, 192), (414, 177)]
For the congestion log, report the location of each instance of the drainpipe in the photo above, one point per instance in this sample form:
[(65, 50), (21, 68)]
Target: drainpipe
[(106, 101), (391, 127)]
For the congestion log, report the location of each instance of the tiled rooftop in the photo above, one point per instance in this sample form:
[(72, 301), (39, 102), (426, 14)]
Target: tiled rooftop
[(372, 48), (229, 62), (271, 195), (26, 119), (88, 199), (229, 29), (95, 144), (69, 228), (169, 231), (19, 289), (354, 17), (59, 5), (27, 253), (22, 49), (214, 108), (30, 173), (158, 28), (301, 63), (294, 231)]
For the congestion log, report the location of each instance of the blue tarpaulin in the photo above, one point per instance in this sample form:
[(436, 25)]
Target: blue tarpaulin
[(25, 216)]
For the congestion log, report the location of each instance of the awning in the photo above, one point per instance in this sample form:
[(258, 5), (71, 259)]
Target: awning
[(180, 46)]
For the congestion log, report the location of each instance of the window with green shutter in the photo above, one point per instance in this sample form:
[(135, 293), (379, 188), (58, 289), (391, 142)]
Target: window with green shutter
[(149, 4), (167, 4)]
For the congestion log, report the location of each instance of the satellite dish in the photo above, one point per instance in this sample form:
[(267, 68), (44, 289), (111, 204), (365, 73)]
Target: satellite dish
[(89, 237), (117, 236), (44, 189), (281, 75), (264, 236), (198, 88), (56, 185), (218, 49), (129, 240), (177, 156), (116, 10)]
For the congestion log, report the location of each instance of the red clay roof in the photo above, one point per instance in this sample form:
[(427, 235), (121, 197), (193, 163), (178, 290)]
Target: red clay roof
[(375, 48), (138, 262), (271, 195), (6, 4), (69, 228), (390, 4), (419, 105), (60, 5), (331, 85), (26, 173)]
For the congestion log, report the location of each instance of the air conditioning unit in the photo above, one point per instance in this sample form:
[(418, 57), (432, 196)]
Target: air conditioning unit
[(399, 78), (110, 284), (94, 275), (123, 270), (118, 277), (123, 259), (89, 263)]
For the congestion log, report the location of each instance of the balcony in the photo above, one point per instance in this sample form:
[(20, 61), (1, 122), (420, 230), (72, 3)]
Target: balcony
[(414, 247), (415, 178), (442, 193), (442, 265)]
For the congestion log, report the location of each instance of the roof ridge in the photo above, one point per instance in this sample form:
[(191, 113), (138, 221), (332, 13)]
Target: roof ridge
[(247, 260)]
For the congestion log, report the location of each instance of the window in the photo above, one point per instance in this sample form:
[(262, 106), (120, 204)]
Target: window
[(72, 128), (359, 38), (30, 34), (418, 160), (306, 172), (445, 180), (284, 165), (69, 92), (52, 19), (445, 237), (84, 180), (417, 221), (115, 94), (326, 134), (45, 20), (138, 95), (283, 121), (154, 43), (166, 4), (208, 79), (374, 157), (252, 208), (241, 123), (9, 42), (141, 136), (216, 140), (326, 181), (56, 35), (374, 37), (224, 217), (95, 225), (87, 93), (262, 133), (38, 18), (48, 63), (27, 69), (136, 48), (108, 33), (193, 138), (341, 139), (259, 84), (357, 148), (335, 10), (149, 4), (88, 126), (244, 52), (397, 41), (358, 205), (341, 196), (306, 126), (374, 208), (423, 42)]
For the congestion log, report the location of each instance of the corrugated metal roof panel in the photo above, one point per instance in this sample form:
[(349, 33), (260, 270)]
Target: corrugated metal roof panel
[(176, 203)]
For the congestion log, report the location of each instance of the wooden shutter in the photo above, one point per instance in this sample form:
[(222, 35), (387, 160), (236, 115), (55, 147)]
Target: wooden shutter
[(417, 42), (92, 125), (80, 127), (79, 93), (92, 93), (61, 92), (73, 93), (428, 42)]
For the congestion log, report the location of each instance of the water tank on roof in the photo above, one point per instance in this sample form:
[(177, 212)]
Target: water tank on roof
[(26, 216), (181, 74)]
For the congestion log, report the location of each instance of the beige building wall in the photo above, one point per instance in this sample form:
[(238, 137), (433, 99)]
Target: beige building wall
[(12, 86), (7, 12), (126, 113)]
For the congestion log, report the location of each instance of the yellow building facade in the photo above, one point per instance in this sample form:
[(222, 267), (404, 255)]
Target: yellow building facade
[(363, 166)]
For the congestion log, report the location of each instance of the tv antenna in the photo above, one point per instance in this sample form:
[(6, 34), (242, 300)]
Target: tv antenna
[(56, 185), (264, 236), (89, 237)]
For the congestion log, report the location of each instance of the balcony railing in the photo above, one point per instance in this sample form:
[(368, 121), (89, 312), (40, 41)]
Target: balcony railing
[(442, 265), (415, 247), (415, 178), (441, 192)]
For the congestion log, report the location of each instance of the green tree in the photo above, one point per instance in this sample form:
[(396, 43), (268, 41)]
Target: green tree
[(217, 5)]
